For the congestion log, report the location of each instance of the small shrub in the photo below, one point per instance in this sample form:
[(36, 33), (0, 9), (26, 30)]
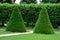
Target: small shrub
[(43, 24)]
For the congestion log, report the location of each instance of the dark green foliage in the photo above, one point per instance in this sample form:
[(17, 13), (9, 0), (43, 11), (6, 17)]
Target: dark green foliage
[(9, 1), (16, 24), (30, 12), (6, 1), (51, 1), (1, 1), (43, 24), (5, 11), (28, 1), (46, 1)]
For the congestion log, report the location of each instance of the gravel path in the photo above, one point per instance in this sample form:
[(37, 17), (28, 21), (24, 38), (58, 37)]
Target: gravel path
[(12, 34)]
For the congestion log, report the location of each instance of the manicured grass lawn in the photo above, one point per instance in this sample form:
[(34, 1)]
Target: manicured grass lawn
[(2, 31), (33, 37), (56, 30)]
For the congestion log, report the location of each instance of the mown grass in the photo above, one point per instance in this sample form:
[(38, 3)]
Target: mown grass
[(31, 36), (3, 31)]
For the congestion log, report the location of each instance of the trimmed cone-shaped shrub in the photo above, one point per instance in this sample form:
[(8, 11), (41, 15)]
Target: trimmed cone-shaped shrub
[(16, 23), (43, 24)]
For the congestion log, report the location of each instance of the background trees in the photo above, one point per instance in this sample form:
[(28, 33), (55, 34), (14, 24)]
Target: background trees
[(28, 1), (51, 1)]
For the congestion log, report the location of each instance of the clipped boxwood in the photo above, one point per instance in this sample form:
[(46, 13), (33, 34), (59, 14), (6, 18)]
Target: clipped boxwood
[(16, 23), (43, 24)]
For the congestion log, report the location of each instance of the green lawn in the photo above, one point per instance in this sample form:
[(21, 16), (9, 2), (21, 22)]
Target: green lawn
[(31, 36), (2, 31)]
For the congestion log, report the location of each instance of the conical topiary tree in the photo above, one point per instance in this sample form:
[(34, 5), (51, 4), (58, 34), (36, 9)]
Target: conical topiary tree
[(16, 23), (43, 24)]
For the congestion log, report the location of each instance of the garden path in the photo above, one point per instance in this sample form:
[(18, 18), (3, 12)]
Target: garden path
[(12, 34)]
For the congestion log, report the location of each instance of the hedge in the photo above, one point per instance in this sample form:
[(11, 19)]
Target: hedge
[(30, 12)]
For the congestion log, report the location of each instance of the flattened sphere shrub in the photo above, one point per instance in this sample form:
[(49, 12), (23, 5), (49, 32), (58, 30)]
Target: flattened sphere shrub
[(16, 23), (43, 24)]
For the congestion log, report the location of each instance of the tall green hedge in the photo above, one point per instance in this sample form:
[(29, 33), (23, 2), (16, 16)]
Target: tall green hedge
[(33, 11), (30, 12), (5, 12), (16, 23)]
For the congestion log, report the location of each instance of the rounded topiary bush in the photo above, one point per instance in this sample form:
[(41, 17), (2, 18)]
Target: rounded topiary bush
[(43, 24), (16, 23)]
